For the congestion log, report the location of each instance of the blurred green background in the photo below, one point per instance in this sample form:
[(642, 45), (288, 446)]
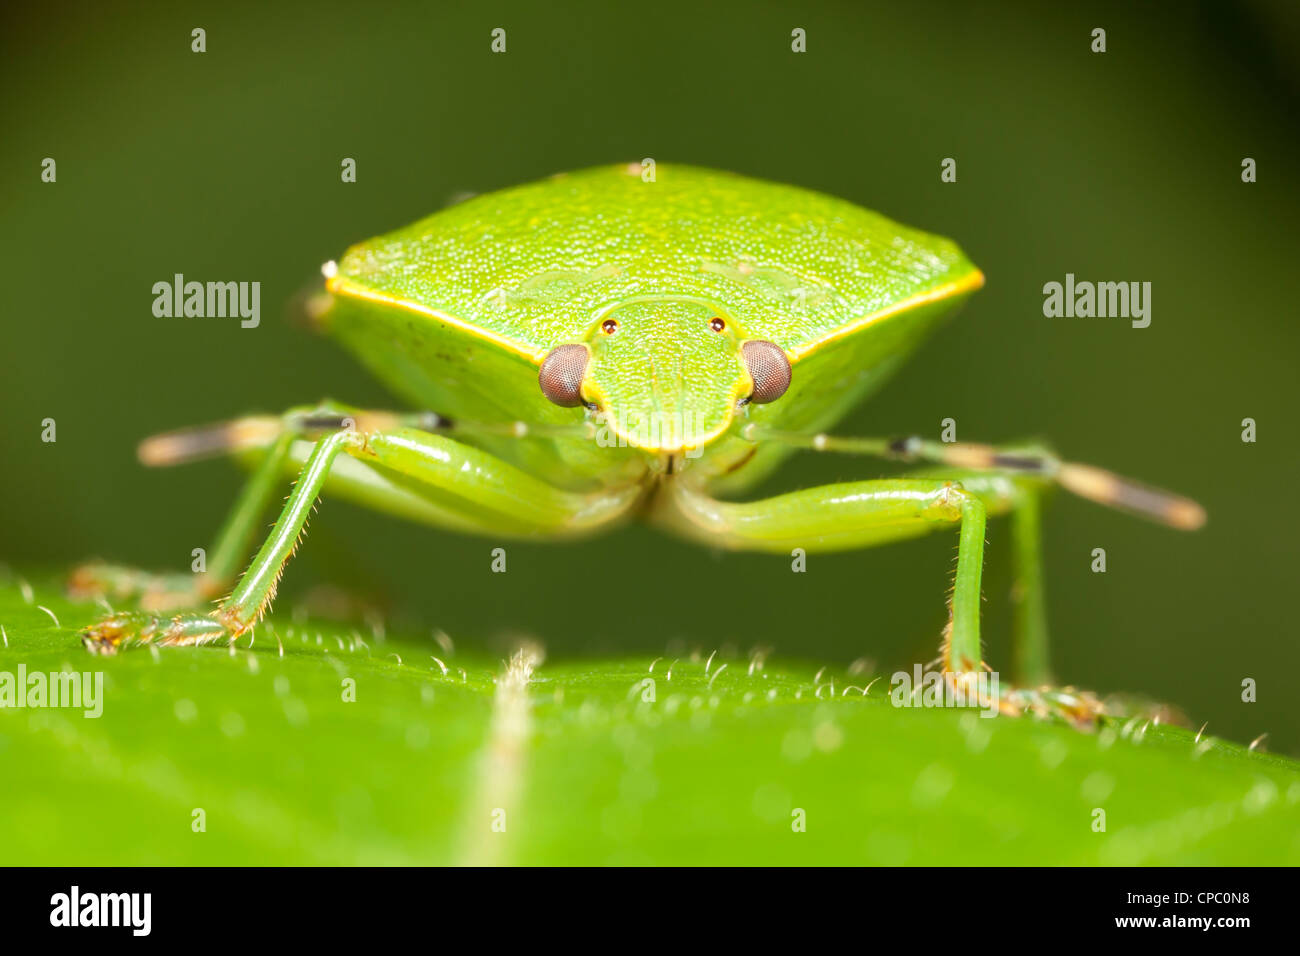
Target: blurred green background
[(1122, 166)]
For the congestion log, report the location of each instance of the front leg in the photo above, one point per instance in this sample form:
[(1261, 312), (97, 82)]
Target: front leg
[(245, 605), (162, 592), (856, 514), (171, 591), (275, 443), (450, 484)]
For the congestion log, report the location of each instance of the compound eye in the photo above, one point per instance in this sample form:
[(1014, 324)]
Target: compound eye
[(768, 367), (561, 375)]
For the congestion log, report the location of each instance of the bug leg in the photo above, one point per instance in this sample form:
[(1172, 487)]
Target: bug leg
[(1030, 461), (235, 539), (868, 513), (1031, 689), (1014, 478), (155, 591), (1030, 661), (469, 489), (1020, 497), (255, 590), (855, 515), (269, 436), (438, 480)]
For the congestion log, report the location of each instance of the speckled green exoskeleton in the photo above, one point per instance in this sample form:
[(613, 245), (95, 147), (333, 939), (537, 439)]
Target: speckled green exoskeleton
[(598, 347)]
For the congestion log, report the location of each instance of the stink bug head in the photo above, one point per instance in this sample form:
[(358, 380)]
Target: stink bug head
[(665, 373)]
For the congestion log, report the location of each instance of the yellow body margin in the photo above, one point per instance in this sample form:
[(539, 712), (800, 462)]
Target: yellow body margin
[(340, 285), (963, 285)]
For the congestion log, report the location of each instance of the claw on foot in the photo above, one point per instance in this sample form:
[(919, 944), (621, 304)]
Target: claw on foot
[(134, 628), (1080, 709)]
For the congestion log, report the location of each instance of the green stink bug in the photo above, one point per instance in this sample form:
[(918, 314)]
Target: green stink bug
[(596, 347)]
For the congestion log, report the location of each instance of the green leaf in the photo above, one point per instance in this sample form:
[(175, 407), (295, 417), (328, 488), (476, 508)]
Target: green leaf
[(579, 764)]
